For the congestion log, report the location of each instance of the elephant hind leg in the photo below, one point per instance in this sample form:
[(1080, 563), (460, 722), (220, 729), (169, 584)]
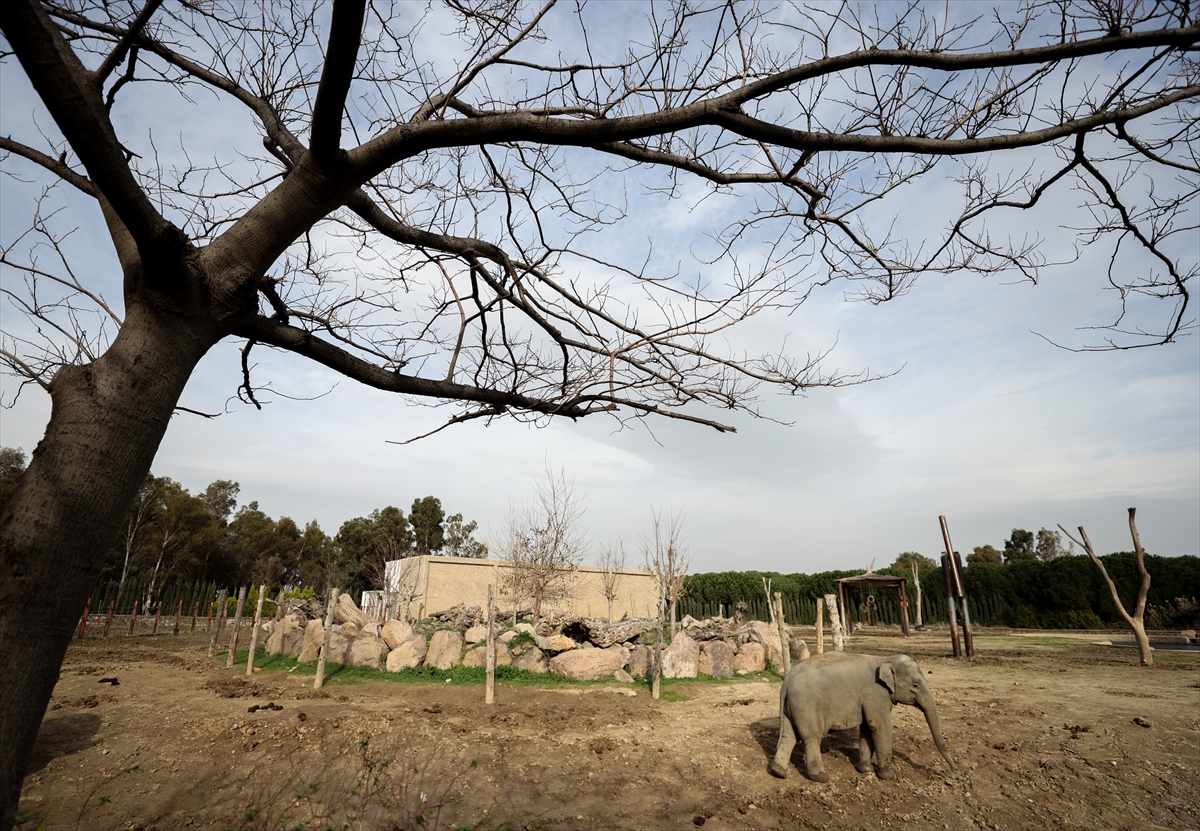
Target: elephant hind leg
[(866, 746), (782, 760)]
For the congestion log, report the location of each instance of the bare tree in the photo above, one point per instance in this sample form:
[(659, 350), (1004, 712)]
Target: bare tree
[(1136, 620), (666, 556), (375, 561), (544, 544), (611, 560), (449, 218)]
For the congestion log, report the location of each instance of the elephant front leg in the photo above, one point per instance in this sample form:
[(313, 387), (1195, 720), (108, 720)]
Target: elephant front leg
[(865, 749), (881, 735)]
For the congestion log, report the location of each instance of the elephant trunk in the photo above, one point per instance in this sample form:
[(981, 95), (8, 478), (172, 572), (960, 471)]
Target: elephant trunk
[(929, 708)]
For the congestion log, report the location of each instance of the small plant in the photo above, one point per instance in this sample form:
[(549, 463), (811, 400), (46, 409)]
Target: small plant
[(520, 639)]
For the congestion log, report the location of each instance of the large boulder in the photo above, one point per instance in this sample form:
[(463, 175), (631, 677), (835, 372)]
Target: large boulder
[(534, 660), (524, 627), (347, 630), (589, 664), (314, 636), (445, 649), (506, 636), (716, 660), (604, 634), (339, 649), (768, 636), (477, 657), (367, 651), (410, 653), (287, 637), (476, 634), (396, 632), (750, 657), (640, 661), (681, 658), (555, 643), (799, 650)]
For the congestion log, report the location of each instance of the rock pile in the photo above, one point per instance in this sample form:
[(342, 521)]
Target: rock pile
[(566, 645)]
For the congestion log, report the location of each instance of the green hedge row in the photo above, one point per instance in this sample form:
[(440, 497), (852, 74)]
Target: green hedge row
[(1065, 593)]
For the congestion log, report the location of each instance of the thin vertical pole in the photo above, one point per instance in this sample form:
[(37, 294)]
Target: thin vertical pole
[(112, 604), (333, 596), (948, 579), (490, 694), (133, 618), (783, 634), (835, 622), (157, 616), (968, 638), (262, 591), (237, 626), (820, 625), (195, 614), (212, 607), (178, 616), (212, 643), (83, 620)]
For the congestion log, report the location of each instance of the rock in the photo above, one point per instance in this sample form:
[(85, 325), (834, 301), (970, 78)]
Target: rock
[(751, 657), (589, 664), (532, 661), (396, 632), (476, 634), (716, 660), (716, 628), (639, 661), (345, 611), (367, 651), (604, 634), (347, 630), (373, 630), (555, 643), (768, 636), (524, 627), (339, 646), (680, 659), (445, 648), (314, 635), (477, 657), (623, 676), (286, 638), (459, 616), (507, 636), (410, 653), (799, 650)]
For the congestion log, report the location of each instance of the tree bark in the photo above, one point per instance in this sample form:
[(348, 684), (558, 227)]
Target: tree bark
[(107, 420)]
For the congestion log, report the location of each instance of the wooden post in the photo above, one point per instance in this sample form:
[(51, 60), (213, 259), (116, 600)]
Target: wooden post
[(820, 625), (968, 638), (262, 591), (721, 610), (917, 585), (112, 604), (83, 620), (835, 622), (279, 607), (195, 614), (212, 607), (212, 644), (904, 610), (133, 619), (178, 616), (489, 696), (656, 675), (770, 605), (783, 633), (333, 596), (948, 578), (237, 625), (157, 617)]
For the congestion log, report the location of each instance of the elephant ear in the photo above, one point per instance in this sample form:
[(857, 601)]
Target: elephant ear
[(887, 676)]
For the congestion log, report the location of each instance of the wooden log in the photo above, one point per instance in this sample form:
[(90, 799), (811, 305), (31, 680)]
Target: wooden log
[(345, 611), (490, 692), (220, 610), (320, 679), (820, 625), (783, 634), (237, 626), (835, 622), (262, 592)]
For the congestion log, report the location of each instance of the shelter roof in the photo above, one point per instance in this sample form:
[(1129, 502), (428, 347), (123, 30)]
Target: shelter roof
[(872, 581)]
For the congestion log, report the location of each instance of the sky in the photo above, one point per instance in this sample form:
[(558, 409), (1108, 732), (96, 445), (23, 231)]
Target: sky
[(979, 419)]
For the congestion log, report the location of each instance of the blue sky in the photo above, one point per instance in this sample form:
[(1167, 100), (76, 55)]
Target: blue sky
[(982, 421)]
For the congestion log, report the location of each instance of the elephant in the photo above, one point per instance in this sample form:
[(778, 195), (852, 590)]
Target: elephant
[(840, 690)]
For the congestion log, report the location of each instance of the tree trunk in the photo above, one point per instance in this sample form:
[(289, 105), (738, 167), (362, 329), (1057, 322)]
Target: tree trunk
[(107, 420)]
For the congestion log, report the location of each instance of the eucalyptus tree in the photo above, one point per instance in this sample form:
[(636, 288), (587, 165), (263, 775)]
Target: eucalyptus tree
[(452, 202)]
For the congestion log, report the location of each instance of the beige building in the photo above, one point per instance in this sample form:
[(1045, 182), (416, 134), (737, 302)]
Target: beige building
[(432, 584)]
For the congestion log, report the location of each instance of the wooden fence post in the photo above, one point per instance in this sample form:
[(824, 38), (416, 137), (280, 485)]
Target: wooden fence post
[(212, 644), (490, 693), (835, 622), (820, 625), (237, 626), (157, 617), (783, 634), (83, 620), (112, 604), (178, 616), (195, 614), (132, 619), (262, 590), (333, 596)]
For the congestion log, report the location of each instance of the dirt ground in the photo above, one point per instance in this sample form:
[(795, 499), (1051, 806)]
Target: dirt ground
[(1049, 732)]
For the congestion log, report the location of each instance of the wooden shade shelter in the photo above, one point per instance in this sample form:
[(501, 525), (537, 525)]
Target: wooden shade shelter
[(872, 583)]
